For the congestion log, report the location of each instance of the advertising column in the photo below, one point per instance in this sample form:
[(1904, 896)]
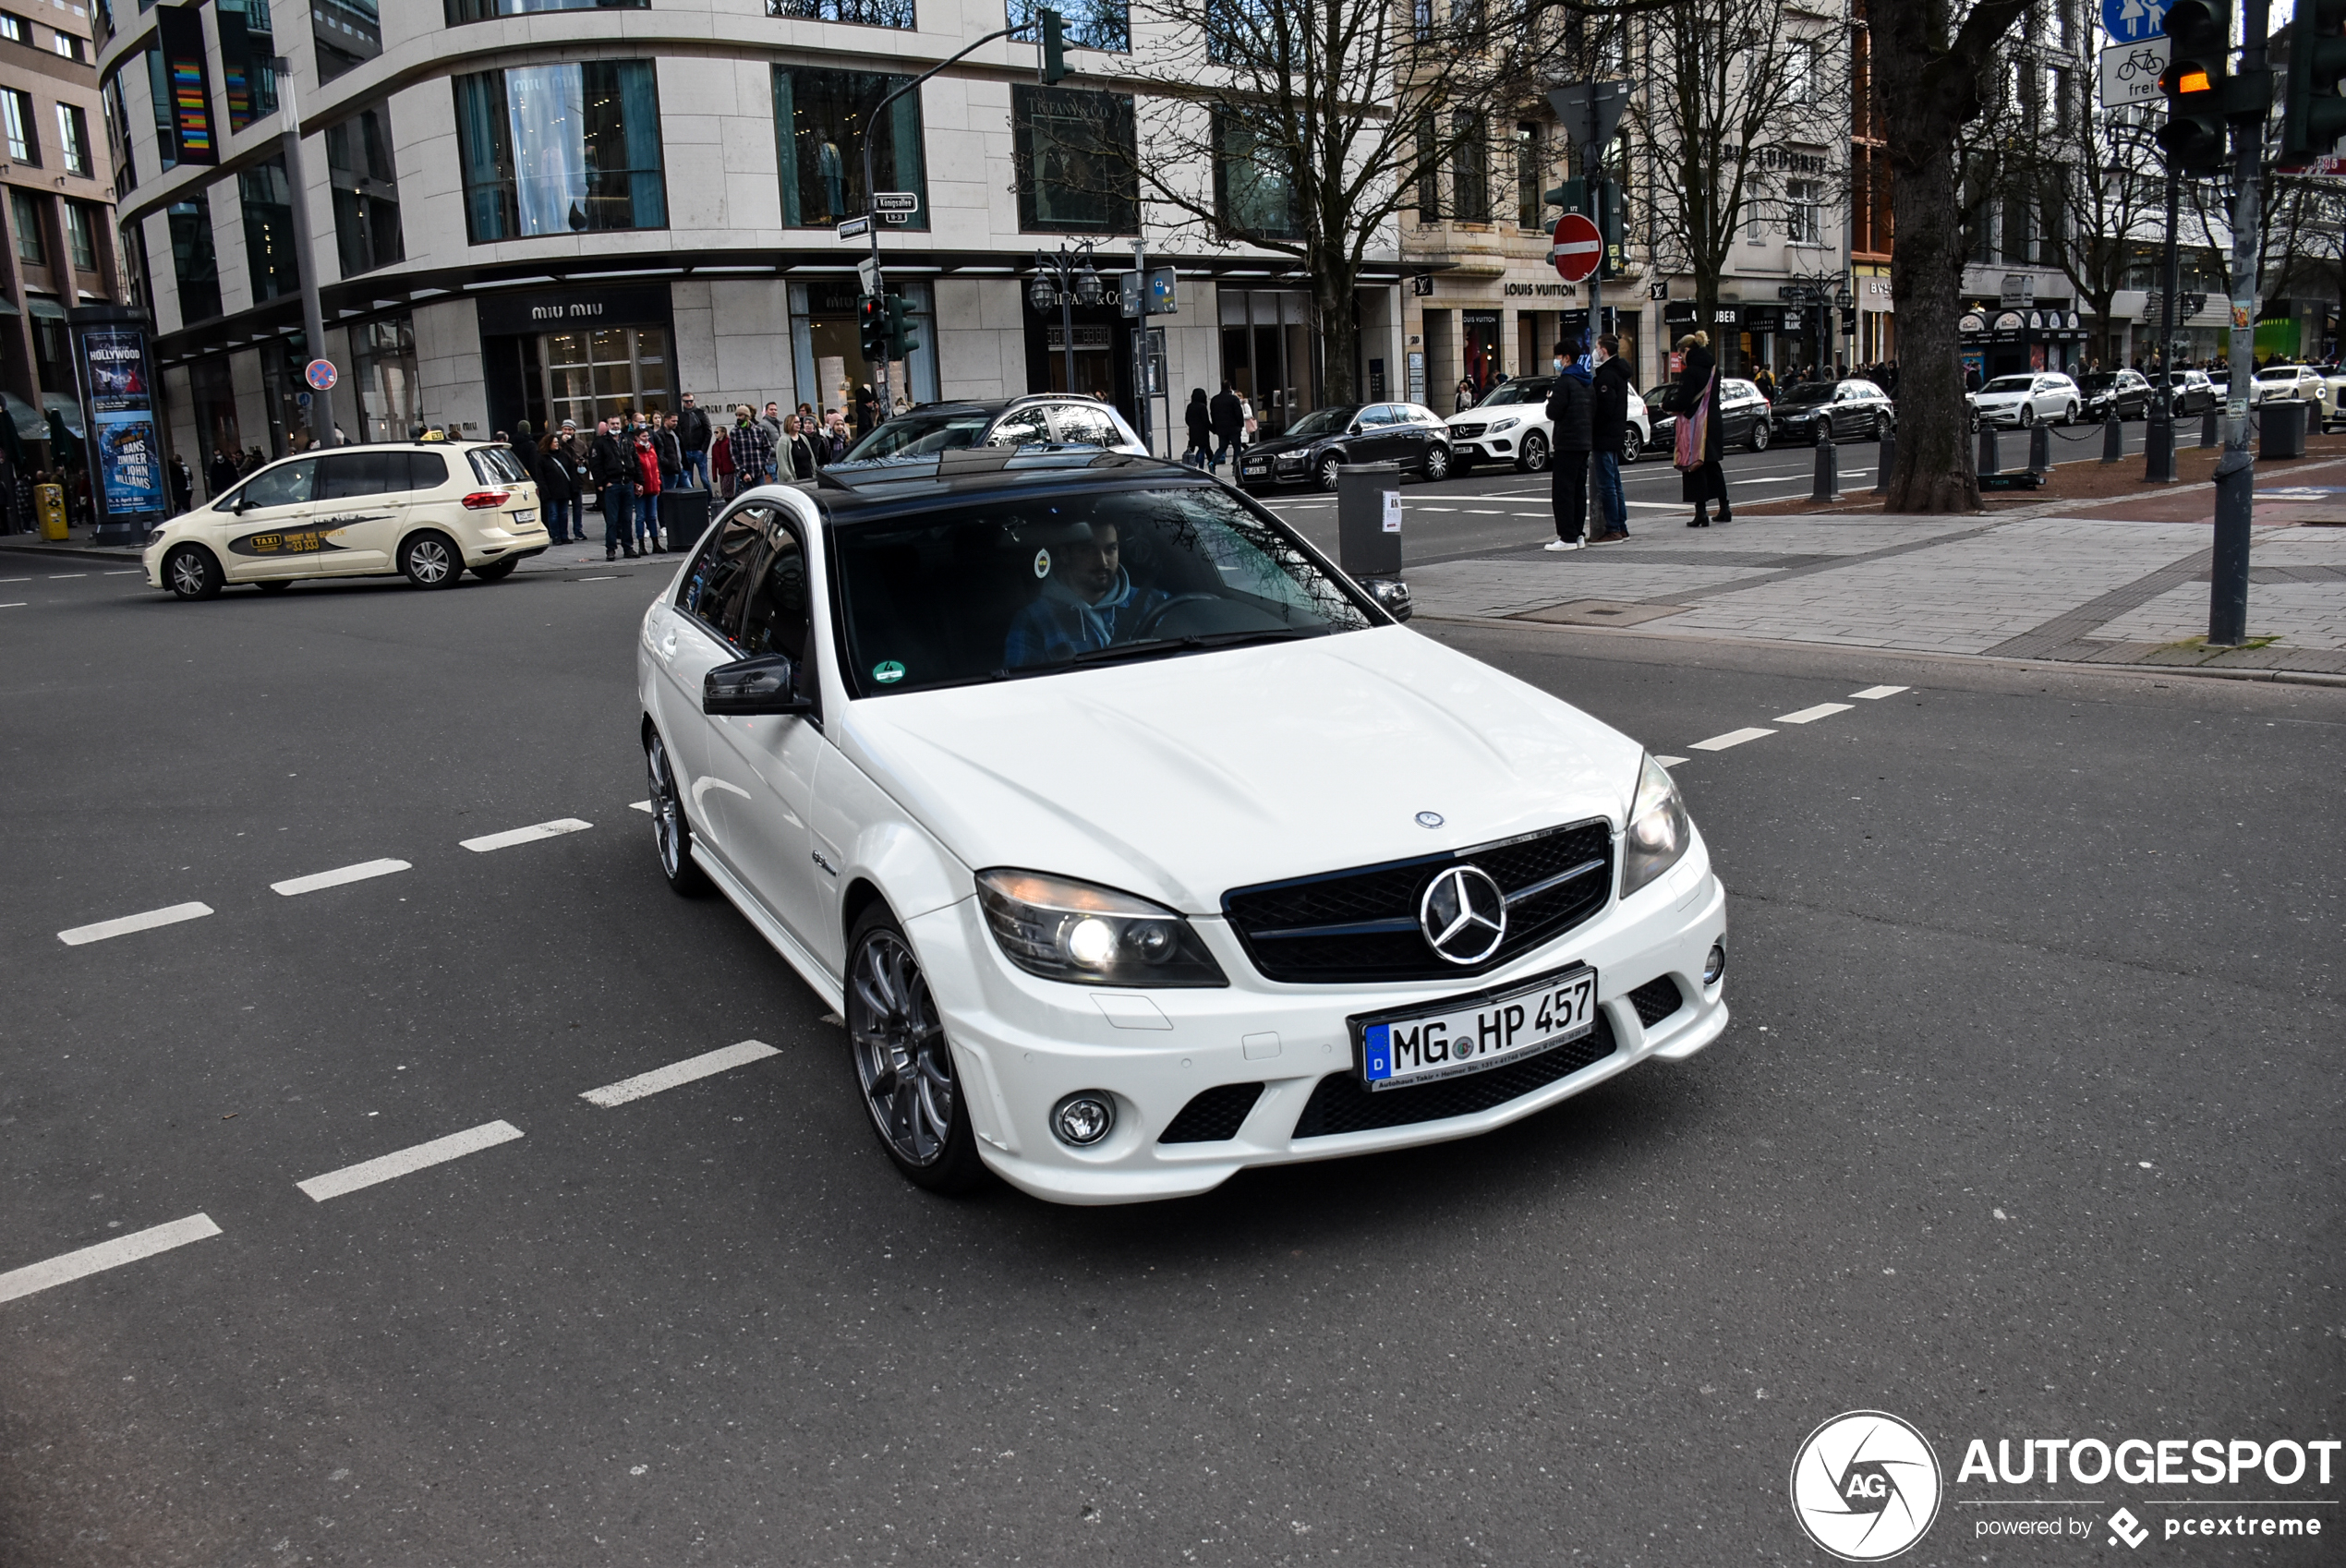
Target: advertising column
[(129, 491)]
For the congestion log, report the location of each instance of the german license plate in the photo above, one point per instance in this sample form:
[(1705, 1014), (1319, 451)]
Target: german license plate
[(1470, 1034), (525, 514)]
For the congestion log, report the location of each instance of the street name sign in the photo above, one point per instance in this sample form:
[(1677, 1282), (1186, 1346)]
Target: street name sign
[(1578, 247), (854, 228), (2130, 72), (904, 201)]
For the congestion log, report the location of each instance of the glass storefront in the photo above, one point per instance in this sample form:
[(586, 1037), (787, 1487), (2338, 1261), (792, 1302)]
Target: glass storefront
[(827, 345), (1266, 354), (602, 374), (383, 380), (561, 148)]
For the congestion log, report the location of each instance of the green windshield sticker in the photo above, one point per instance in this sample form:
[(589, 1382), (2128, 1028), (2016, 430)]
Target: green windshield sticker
[(888, 672)]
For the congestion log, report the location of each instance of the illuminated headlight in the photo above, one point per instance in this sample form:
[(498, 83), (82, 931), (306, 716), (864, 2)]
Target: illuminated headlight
[(1659, 828), (1507, 424), (1077, 931)]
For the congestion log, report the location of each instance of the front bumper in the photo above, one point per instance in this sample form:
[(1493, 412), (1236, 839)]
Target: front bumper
[(1021, 1043)]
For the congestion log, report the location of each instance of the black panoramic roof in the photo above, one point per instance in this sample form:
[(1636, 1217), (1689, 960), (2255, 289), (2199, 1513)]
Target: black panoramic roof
[(884, 490)]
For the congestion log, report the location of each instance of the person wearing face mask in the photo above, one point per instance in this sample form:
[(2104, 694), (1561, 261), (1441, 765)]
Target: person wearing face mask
[(1610, 391), (1569, 415)]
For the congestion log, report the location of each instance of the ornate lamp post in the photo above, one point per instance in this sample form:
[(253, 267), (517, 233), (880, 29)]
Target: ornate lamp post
[(1066, 279)]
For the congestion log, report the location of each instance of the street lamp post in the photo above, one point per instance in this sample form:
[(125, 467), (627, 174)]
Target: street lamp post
[(1066, 279)]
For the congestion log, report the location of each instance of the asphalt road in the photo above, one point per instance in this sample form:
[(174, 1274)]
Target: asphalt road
[(2027, 1125)]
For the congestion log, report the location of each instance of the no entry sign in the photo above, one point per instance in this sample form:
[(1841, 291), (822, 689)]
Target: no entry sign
[(1578, 247)]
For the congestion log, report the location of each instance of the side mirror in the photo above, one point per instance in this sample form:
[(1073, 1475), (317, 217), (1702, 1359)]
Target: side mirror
[(762, 685), (1392, 596), (1354, 429)]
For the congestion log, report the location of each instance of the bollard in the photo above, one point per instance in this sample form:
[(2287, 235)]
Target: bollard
[(2113, 436), (1885, 460), (2158, 450), (1828, 481), (1989, 462), (2210, 432), (2039, 447)]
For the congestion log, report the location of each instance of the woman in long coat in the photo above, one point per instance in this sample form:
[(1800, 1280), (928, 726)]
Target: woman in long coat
[(1702, 480)]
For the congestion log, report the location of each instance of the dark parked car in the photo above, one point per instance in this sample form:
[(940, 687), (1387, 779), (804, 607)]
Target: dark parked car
[(1317, 446), (1743, 415), (2126, 391), (2194, 392), (1853, 410)]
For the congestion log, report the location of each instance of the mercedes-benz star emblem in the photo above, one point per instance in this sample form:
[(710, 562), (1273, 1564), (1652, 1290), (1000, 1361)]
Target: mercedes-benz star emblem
[(1463, 914), (1429, 819)]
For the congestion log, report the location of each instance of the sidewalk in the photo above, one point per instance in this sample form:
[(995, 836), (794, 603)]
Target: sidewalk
[(2087, 580)]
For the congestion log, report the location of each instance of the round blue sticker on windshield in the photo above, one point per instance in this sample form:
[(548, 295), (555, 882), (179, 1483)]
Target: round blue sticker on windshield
[(888, 672)]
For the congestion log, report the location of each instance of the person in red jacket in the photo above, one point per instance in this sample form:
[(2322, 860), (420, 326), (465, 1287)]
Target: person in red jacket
[(647, 491)]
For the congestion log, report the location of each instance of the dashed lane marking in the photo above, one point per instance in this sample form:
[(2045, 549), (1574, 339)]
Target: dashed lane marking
[(530, 835), (1874, 694), (126, 572), (1669, 762), (125, 925), (1732, 738), (106, 1255), (1810, 714), (294, 886), (614, 577), (644, 806), (14, 579), (675, 1073), (407, 1162), (18, 604), (66, 576), (1434, 509)]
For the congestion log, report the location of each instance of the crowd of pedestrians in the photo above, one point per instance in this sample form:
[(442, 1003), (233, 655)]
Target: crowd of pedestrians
[(1218, 428)]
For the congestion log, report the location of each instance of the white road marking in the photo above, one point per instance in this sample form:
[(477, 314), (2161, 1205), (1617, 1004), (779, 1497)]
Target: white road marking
[(675, 1073), (66, 576), (644, 806), (14, 579), (16, 605), (294, 886), (1732, 738), (611, 578), (1873, 694), (1434, 509), (1669, 762), (530, 835), (407, 1162), (1486, 511), (1810, 714), (106, 1255), (126, 572), (125, 925)]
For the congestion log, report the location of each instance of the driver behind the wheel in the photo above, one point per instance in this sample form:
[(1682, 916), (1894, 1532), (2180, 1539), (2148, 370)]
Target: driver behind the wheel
[(1088, 599)]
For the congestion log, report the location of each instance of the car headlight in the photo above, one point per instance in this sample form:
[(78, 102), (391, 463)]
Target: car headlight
[(154, 537), (1506, 425), (1061, 929), (1659, 828)]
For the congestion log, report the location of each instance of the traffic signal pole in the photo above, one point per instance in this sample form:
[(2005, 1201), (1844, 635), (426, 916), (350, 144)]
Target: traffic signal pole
[(2236, 469), (2159, 437)]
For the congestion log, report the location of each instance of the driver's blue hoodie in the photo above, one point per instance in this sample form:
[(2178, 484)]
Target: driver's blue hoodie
[(1059, 625)]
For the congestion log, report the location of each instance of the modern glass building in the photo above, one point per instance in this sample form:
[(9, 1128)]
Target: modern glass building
[(538, 209)]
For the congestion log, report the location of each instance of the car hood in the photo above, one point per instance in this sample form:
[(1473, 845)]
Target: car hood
[(1181, 777)]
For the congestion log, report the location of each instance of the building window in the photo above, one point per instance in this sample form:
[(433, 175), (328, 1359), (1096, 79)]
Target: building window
[(602, 374), (81, 236), (345, 34), (70, 46), (462, 11), (15, 28), (1077, 160), (24, 214), (16, 115), (193, 262), (1802, 73), (365, 189), (158, 98), (1104, 25), (550, 150), (820, 119), (862, 13), (1804, 204), (1531, 171), (73, 140), (247, 45), (1470, 169), (1235, 30), (1253, 189), (1429, 174), (267, 201)]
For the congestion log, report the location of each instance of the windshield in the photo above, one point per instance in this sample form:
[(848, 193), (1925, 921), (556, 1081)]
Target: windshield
[(2094, 381), (2010, 384), (1814, 391), (1326, 422), (2278, 373), (1515, 391), (1653, 396), (1021, 587), (920, 435)]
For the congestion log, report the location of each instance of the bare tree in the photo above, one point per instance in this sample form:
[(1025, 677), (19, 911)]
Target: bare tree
[(2099, 188)]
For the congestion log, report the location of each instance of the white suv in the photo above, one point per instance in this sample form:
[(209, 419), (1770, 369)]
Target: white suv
[(2280, 383), (1510, 425), (2028, 399), (428, 509)]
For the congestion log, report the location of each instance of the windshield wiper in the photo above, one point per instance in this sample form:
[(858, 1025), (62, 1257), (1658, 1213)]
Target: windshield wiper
[(1195, 640)]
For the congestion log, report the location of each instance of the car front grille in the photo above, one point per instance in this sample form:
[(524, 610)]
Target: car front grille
[(1362, 925), (1656, 1000), (1214, 1117), (1467, 432), (1339, 1102)]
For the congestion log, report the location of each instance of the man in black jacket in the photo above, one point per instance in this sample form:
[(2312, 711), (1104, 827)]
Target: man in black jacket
[(693, 433), (1609, 430), (1570, 417), (1228, 417), (613, 467)]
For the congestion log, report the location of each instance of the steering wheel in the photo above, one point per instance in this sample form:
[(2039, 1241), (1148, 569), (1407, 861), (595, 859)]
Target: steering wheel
[(1148, 624)]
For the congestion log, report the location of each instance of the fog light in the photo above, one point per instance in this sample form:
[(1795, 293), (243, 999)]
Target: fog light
[(1714, 964), (1082, 1119)]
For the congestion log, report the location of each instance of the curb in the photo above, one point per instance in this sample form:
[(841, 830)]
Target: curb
[(73, 552)]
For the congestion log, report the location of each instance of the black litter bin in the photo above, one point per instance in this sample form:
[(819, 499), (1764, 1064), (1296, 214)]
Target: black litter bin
[(1368, 520), (683, 517), (2282, 424)]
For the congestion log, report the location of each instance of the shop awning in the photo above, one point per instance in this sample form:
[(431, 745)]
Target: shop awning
[(45, 308), (8, 306), (30, 424), (68, 409)]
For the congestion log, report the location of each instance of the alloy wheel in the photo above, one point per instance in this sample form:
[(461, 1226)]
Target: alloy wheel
[(428, 562), (1329, 468), (668, 807), (901, 1054), (188, 578)]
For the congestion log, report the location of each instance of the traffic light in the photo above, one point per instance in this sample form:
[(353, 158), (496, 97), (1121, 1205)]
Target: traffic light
[(871, 317), (2314, 109), (900, 341), (1572, 196), (1054, 31), (1607, 215), (2199, 38)]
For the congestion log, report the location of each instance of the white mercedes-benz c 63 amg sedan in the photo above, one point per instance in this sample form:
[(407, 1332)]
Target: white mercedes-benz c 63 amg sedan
[(1137, 845)]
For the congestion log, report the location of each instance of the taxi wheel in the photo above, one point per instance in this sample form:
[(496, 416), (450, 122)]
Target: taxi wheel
[(431, 561), (903, 1063), (496, 571), (191, 574), (671, 831)]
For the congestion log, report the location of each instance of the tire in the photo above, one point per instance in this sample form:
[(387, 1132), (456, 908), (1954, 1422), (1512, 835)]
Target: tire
[(1762, 434), (671, 829), (190, 572), (903, 1066), (497, 570), (1325, 474), (431, 561), (274, 584), (1437, 463), (1632, 449), (2070, 417), (1881, 428), (1824, 433), (1533, 458), (2027, 414)]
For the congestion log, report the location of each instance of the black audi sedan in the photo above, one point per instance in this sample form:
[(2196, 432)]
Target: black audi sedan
[(1317, 447), (1852, 410)]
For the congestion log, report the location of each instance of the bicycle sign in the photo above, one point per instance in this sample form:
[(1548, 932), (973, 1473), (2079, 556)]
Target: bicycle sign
[(2131, 21), (2130, 72)]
